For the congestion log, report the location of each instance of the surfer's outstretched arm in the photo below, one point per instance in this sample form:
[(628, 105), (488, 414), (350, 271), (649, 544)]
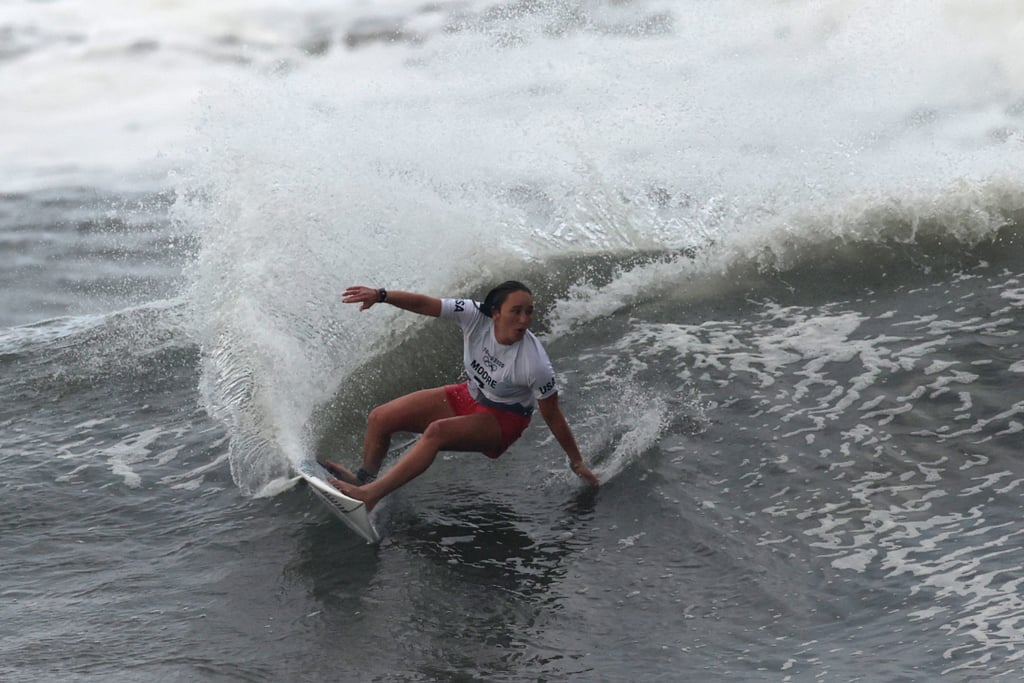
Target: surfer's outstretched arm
[(407, 301), (559, 426)]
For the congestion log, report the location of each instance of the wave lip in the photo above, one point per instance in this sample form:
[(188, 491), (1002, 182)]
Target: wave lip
[(865, 240)]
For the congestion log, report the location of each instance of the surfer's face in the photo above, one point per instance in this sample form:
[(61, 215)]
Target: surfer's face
[(513, 318)]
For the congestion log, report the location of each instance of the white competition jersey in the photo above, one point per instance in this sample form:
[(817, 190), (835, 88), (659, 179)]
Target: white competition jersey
[(509, 375)]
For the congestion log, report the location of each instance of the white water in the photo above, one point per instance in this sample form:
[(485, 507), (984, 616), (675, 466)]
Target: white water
[(719, 94)]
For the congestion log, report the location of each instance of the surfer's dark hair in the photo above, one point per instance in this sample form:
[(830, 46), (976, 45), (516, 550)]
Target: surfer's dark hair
[(496, 297)]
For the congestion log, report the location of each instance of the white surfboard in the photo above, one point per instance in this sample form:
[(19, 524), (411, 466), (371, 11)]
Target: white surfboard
[(349, 510)]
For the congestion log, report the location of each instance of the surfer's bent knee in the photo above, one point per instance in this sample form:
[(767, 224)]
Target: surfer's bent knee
[(377, 420)]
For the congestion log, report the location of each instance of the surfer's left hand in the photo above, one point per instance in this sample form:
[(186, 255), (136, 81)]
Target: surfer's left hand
[(366, 296)]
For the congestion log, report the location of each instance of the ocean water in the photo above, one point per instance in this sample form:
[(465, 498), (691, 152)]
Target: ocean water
[(778, 255)]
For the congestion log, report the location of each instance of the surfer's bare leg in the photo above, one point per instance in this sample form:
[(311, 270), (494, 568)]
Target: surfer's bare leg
[(410, 413), (480, 432)]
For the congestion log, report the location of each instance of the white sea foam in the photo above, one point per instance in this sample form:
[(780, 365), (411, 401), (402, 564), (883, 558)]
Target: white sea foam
[(133, 450), (826, 90)]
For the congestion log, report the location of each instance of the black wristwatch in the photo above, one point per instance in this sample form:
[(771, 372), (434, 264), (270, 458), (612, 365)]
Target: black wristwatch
[(382, 294)]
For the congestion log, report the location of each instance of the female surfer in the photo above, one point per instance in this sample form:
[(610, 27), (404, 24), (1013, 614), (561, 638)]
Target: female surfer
[(509, 373)]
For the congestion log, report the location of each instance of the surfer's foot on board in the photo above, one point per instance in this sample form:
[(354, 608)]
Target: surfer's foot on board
[(340, 471), (357, 492)]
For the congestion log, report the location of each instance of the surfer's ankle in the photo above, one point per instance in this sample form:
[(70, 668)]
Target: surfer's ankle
[(364, 476)]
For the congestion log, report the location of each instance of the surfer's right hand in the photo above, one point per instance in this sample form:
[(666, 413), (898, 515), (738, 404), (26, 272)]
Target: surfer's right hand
[(367, 296)]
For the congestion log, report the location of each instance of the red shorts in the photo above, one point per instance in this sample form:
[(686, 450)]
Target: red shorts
[(512, 424)]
